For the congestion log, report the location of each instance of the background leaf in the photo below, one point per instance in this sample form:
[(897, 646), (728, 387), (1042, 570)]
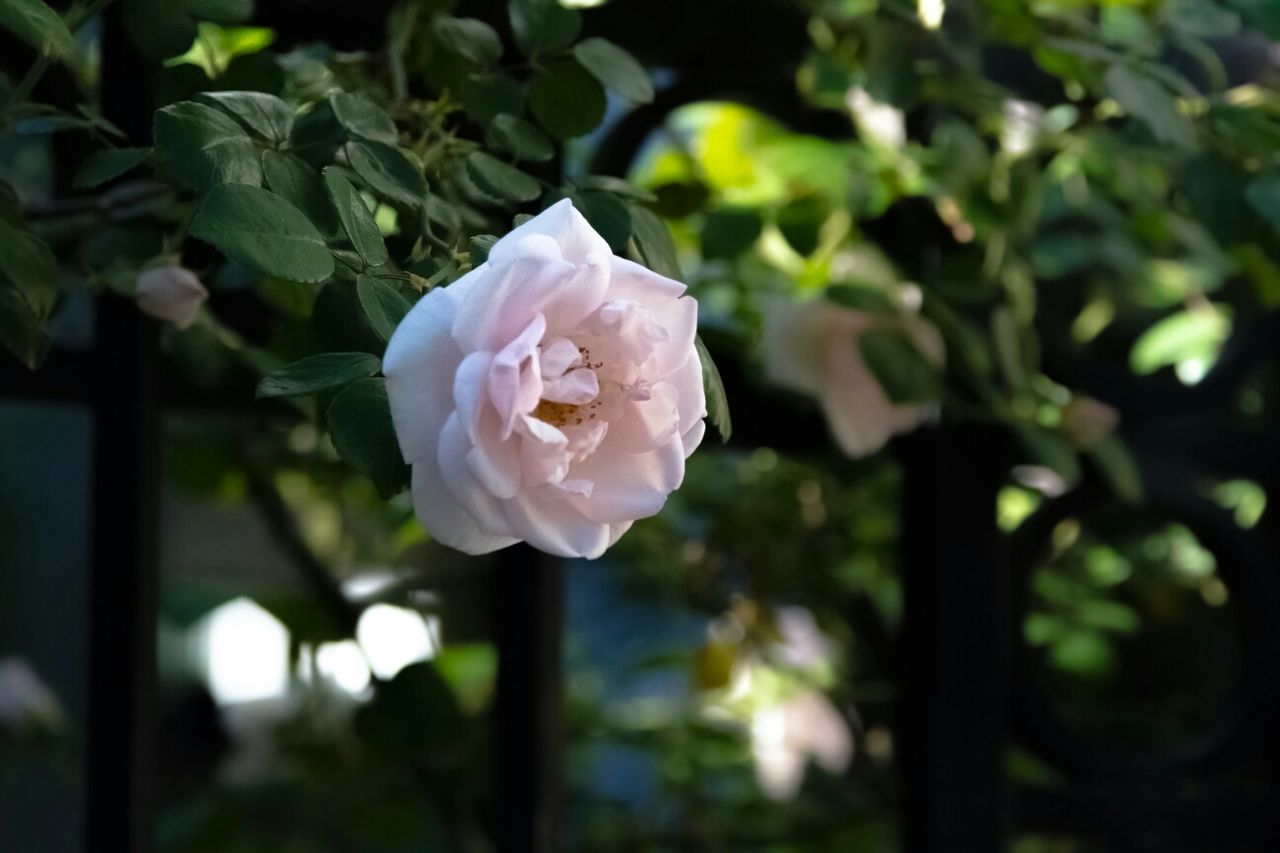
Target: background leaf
[(357, 220), (717, 400), (260, 113), (382, 304), (615, 68), (202, 146), (566, 99)]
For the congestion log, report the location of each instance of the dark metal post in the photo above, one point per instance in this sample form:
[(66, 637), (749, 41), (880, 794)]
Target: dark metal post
[(528, 590), (122, 594), (119, 760), (952, 718)]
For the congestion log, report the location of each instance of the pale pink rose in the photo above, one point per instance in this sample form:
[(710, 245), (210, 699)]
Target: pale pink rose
[(813, 348), (786, 736), (170, 293), (550, 395)]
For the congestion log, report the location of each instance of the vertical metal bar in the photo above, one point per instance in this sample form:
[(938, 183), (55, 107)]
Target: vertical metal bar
[(122, 588), (125, 569), (955, 659), (528, 591)]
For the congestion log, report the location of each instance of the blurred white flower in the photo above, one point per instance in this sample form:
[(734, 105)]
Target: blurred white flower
[(786, 736), (813, 348), (170, 293), (25, 701), (876, 120), (803, 645), (1020, 127)]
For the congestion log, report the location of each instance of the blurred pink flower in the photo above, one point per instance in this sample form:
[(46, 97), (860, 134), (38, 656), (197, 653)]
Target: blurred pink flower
[(170, 293)]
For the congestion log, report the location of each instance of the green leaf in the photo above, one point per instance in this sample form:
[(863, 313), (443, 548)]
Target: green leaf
[(717, 400), (652, 242), (263, 231), (566, 99), (29, 264), (202, 147), (316, 373), (870, 300), (37, 25), (1115, 462), (382, 304), (617, 186), (107, 164), (480, 246), (220, 11), (500, 180), (615, 68), (485, 96), (1200, 18), (730, 231), (520, 138), (902, 370), (608, 214), (543, 25), (1152, 104), (1194, 335), (357, 220), (363, 117), (293, 180), (260, 113), (1264, 197), (388, 171), (360, 422), (472, 39), (20, 329)]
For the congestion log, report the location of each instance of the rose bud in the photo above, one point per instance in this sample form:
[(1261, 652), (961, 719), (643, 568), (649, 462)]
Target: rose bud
[(550, 395), (170, 293)]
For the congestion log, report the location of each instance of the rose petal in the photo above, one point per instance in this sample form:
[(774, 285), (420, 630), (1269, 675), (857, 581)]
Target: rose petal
[(629, 486), (643, 425), (561, 222), (548, 520), (515, 383), (467, 490)]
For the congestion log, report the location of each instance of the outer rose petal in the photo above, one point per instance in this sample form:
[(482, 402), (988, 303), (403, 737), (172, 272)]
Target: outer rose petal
[(420, 363), (550, 522), (564, 224), (630, 486), (687, 380), (171, 293), (679, 316)]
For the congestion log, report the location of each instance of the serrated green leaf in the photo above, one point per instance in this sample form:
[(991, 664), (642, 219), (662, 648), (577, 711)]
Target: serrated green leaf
[(566, 99), (318, 373), (543, 25), (472, 39), (363, 117), (717, 400), (653, 244), (260, 113), (617, 186), (501, 180), (360, 423), (37, 25), (388, 171), (263, 231), (902, 370), (357, 220), (520, 138), (615, 68), (29, 264), (202, 147), (382, 304), (107, 164), (289, 177)]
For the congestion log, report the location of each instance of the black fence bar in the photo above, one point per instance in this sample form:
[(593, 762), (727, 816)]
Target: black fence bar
[(955, 660), (528, 592), (122, 594)]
